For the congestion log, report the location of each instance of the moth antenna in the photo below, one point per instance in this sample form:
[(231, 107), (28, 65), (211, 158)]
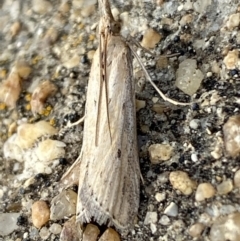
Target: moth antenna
[(105, 9), (106, 84), (164, 97), (70, 125), (103, 81), (100, 92), (107, 26)]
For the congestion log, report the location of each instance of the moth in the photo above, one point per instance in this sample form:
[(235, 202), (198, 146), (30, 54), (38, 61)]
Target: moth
[(108, 166)]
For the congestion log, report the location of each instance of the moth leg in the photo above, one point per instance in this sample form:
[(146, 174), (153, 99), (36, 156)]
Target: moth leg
[(70, 125), (131, 39), (134, 41), (72, 175), (164, 97)]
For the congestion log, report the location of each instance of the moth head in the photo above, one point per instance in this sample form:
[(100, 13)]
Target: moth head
[(115, 27)]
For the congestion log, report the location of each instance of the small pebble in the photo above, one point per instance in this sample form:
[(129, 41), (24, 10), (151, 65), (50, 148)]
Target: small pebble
[(8, 223), (181, 181), (15, 28), (160, 197), (159, 108), (72, 62), (64, 8), (49, 150), (231, 60), (237, 178), (10, 90), (194, 157), (150, 39), (160, 152), (233, 21), (196, 230), (217, 152), (231, 132), (51, 36), (188, 77), (204, 191), (201, 5), (40, 213), (186, 19), (55, 228), (194, 123), (29, 182), (27, 133), (151, 217), (215, 67), (110, 235), (40, 94), (90, 54), (71, 231), (164, 220), (225, 187), (153, 228), (140, 104), (226, 228), (91, 233), (162, 62), (63, 205), (171, 210), (41, 6), (44, 233)]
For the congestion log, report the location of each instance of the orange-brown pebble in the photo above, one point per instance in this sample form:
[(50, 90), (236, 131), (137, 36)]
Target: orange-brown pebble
[(91, 233), (40, 213), (40, 94), (10, 90), (150, 39), (15, 28), (52, 122), (162, 62), (27, 107), (2, 106), (3, 73), (28, 97), (204, 191), (91, 37), (159, 2), (110, 235)]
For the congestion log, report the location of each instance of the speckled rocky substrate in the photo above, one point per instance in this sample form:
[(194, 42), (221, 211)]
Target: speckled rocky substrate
[(191, 183)]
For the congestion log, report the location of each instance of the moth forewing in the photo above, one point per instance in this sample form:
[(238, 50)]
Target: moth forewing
[(110, 174)]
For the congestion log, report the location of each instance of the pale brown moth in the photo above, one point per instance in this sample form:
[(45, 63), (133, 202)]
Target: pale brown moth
[(108, 166), (108, 169)]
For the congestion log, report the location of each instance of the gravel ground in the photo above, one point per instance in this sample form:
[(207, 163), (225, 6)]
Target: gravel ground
[(188, 154)]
